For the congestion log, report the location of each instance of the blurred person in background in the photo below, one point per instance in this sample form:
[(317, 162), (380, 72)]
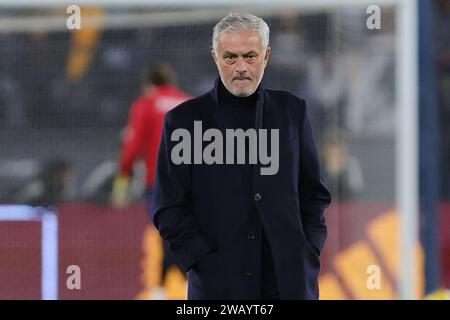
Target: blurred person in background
[(326, 89), (49, 187), (142, 137), (289, 58), (342, 170)]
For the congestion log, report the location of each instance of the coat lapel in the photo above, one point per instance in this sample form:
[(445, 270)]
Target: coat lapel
[(259, 108)]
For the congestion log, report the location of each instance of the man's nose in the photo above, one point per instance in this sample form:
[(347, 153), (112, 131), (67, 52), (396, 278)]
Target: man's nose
[(241, 66)]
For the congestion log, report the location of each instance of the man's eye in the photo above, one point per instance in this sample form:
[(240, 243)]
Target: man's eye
[(229, 59)]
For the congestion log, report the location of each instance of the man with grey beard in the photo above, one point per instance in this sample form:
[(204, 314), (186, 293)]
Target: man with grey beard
[(240, 234)]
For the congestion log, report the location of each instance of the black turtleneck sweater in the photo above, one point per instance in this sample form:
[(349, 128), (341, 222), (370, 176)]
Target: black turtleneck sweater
[(242, 111)]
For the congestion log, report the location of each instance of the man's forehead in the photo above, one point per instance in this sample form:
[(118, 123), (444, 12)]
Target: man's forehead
[(240, 42)]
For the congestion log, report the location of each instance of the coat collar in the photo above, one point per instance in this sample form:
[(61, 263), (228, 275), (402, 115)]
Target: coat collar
[(224, 120)]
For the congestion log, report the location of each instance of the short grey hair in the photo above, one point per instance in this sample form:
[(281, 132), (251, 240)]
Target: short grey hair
[(235, 22)]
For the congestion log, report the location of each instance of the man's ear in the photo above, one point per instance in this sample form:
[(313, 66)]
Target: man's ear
[(214, 57), (266, 57)]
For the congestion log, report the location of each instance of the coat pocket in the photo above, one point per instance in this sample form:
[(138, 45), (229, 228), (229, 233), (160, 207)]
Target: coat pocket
[(293, 206), (206, 278)]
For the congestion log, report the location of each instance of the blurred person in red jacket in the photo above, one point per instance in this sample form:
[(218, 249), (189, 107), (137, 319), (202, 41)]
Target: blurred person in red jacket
[(143, 135), (144, 128)]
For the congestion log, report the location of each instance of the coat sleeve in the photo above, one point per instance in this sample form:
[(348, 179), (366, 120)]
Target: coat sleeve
[(171, 206), (314, 196)]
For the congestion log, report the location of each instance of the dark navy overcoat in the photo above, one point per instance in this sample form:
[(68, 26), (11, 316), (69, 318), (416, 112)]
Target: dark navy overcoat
[(204, 210)]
